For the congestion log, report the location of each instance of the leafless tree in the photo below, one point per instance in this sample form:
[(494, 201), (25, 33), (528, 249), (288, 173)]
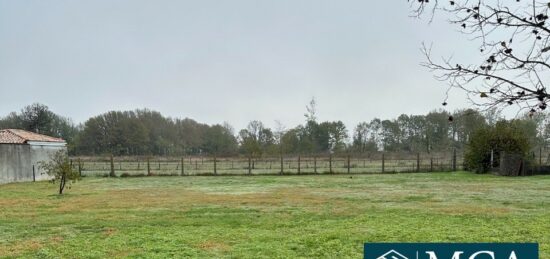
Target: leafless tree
[(514, 45)]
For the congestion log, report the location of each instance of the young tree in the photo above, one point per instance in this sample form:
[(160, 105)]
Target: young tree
[(278, 134), (60, 169), (513, 51)]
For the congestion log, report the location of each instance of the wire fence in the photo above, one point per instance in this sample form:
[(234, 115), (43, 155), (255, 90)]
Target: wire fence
[(282, 165)]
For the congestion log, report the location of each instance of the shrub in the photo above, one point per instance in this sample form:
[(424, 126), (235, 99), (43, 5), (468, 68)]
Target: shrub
[(504, 136)]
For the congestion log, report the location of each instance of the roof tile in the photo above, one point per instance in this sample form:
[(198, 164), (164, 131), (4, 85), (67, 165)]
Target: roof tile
[(18, 136)]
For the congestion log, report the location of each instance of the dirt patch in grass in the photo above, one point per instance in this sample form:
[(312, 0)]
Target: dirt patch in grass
[(4, 203), (19, 248), (11, 202), (110, 231), (416, 199), (461, 209), (178, 198), (212, 245), (56, 239), (337, 201)]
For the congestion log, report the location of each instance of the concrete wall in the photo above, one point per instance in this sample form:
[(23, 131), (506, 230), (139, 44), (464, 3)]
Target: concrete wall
[(42, 153), (17, 161)]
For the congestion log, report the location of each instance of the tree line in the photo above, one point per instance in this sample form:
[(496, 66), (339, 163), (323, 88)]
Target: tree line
[(146, 132)]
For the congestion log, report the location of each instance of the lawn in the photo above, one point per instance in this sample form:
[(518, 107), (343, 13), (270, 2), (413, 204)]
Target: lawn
[(327, 216)]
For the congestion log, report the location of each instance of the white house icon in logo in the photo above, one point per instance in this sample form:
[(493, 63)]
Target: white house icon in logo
[(392, 254)]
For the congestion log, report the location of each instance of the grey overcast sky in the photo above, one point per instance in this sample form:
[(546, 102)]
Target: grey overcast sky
[(216, 60)]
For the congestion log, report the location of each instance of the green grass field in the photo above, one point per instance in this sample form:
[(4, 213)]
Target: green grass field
[(327, 216)]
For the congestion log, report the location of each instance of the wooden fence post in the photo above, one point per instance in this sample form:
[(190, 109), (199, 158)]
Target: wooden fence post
[(330, 164), (349, 164), (431, 164), (298, 164), (249, 165), (112, 173), (454, 159), (33, 174), (282, 164), (492, 159), (215, 166), (79, 168), (417, 162), (540, 156), (148, 167), (315, 164), (182, 167), (383, 163)]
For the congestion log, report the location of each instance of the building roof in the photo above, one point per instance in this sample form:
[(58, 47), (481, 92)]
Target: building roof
[(17, 136)]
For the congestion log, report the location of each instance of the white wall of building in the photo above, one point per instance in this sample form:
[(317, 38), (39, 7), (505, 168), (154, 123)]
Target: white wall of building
[(17, 161)]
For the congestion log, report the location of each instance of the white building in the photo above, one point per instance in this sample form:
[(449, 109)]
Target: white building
[(20, 153)]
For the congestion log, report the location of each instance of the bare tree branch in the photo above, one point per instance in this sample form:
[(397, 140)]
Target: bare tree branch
[(514, 40)]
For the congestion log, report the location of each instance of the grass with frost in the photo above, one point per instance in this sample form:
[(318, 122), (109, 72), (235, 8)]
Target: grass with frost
[(327, 216)]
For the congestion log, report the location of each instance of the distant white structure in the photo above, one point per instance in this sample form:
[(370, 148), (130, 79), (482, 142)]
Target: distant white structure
[(20, 153)]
